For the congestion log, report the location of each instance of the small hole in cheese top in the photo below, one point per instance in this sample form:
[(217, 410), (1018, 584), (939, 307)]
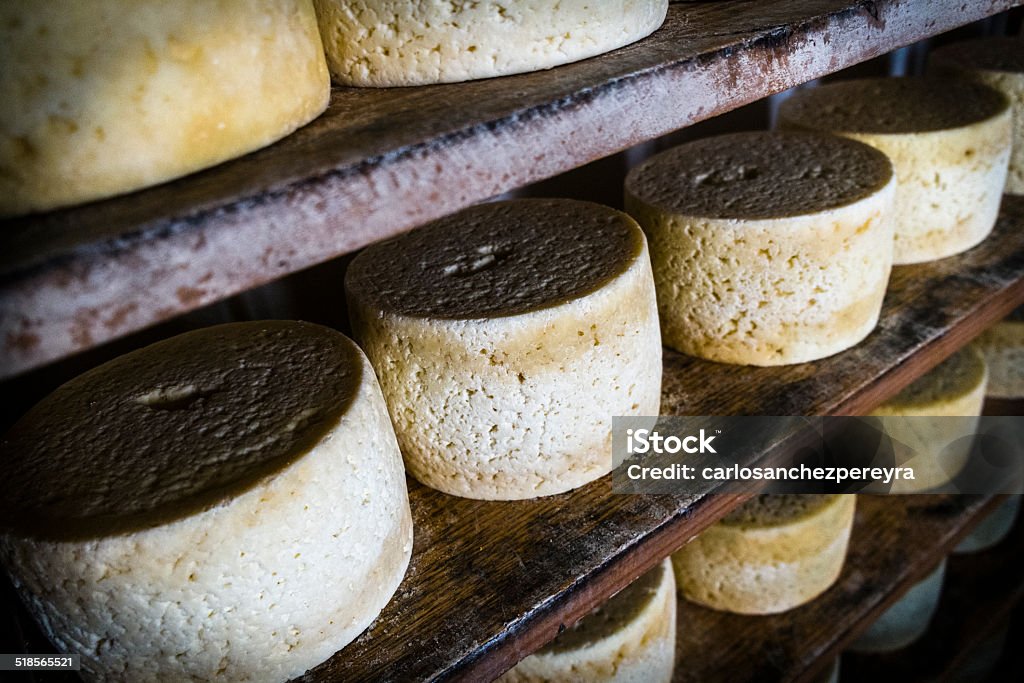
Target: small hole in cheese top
[(760, 175), (614, 615), (498, 259), (173, 428), (767, 510), (892, 105), (988, 54)]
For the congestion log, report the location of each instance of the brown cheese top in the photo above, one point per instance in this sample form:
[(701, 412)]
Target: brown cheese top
[(767, 510), (987, 54), (174, 428), (892, 105), (498, 259), (760, 175), (612, 616)]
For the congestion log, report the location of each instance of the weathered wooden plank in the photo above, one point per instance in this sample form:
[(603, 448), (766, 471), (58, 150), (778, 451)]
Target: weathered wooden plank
[(383, 161)]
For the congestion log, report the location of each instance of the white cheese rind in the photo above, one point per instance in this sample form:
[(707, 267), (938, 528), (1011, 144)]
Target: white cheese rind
[(408, 42), (258, 588), (110, 96), (638, 650)]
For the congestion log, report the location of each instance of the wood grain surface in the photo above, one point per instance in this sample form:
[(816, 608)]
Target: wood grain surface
[(381, 161)]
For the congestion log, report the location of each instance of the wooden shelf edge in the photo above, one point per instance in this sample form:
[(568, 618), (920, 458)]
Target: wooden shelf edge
[(161, 263)]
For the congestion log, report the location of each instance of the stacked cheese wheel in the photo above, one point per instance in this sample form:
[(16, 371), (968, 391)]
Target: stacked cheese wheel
[(506, 337), (768, 248), (226, 504), (948, 140)]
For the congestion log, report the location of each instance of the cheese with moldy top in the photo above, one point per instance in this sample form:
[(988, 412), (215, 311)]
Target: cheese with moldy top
[(226, 504), (415, 42), (767, 248), (771, 554), (109, 96), (506, 337), (1003, 348), (948, 140), (998, 62), (629, 639)]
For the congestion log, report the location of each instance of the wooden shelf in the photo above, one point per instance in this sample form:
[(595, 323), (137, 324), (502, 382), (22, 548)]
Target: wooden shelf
[(979, 594), (379, 162), (896, 541), (490, 582)]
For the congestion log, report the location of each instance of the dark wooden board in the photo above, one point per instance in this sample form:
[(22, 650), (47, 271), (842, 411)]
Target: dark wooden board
[(490, 582), (896, 541), (379, 162), (979, 594)]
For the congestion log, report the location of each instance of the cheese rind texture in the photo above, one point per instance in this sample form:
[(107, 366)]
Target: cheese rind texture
[(767, 248), (998, 63), (629, 639), (261, 585), (408, 42), (993, 529), (107, 97), (506, 337), (932, 422), (907, 619), (948, 140), (772, 554)]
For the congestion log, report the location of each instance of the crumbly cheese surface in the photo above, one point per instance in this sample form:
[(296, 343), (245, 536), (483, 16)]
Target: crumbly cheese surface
[(484, 347), (999, 64), (249, 528), (767, 248), (948, 140), (109, 96), (629, 638), (769, 556), (413, 42)]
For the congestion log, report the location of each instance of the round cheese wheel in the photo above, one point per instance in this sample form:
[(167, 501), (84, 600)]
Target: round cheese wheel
[(413, 42), (948, 140), (110, 96), (1003, 348), (907, 619), (506, 337), (767, 248), (997, 62), (771, 554), (932, 422), (629, 639), (991, 530), (226, 504)]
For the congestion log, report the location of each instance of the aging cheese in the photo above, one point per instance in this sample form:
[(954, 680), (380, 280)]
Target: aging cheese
[(109, 96), (1003, 348), (228, 504), (506, 337), (414, 42), (907, 620), (997, 62), (773, 553), (932, 422), (767, 248), (629, 639), (948, 140)]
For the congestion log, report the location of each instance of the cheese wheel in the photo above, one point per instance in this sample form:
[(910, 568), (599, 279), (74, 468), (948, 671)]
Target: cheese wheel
[(991, 530), (948, 140), (767, 248), (228, 504), (413, 42), (506, 337), (631, 638), (997, 62), (771, 554), (109, 96), (932, 422), (907, 619), (1003, 348)]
